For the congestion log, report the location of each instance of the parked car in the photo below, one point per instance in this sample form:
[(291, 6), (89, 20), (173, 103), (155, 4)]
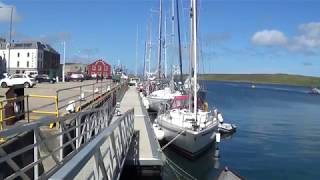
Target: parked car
[(45, 78), (2, 76), (16, 79), (32, 74), (75, 77)]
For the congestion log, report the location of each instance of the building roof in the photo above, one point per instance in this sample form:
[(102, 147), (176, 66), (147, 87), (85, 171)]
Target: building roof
[(99, 60), (2, 40), (28, 45)]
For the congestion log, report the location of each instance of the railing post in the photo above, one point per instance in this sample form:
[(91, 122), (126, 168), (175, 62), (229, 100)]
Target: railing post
[(92, 95), (1, 120), (1, 115), (101, 86), (113, 144), (28, 111), (78, 131), (60, 143), (60, 128), (35, 154), (80, 98)]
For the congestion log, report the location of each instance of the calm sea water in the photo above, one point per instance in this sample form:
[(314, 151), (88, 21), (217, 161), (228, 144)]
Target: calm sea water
[(278, 135)]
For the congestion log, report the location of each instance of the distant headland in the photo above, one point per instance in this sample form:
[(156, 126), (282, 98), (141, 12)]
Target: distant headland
[(286, 79)]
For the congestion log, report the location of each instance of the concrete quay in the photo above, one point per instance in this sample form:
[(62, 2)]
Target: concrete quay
[(42, 96)]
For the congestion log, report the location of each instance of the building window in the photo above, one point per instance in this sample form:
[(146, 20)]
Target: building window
[(28, 54), (27, 63), (18, 63), (18, 54), (93, 67), (99, 68)]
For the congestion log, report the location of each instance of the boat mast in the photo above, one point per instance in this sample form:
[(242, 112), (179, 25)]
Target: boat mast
[(149, 49), (190, 58), (137, 39), (165, 46), (145, 58), (194, 53), (172, 35), (159, 47), (172, 21), (179, 41)]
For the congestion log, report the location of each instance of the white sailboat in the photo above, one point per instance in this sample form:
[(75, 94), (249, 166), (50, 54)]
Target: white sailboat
[(315, 91), (158, 98), (161, 96), (188, 124)]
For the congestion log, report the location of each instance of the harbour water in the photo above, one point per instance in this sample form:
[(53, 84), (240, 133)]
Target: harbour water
[(278, 135)]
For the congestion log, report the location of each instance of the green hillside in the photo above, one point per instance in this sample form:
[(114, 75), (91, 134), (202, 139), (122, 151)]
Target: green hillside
[(265, 78)]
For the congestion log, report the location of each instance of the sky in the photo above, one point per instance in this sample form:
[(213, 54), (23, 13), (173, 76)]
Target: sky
[(235, 36)]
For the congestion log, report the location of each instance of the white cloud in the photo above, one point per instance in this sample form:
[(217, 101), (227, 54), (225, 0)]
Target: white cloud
[(5, 13), (311, 29), (309, 35), (269, 38), (306, 41)]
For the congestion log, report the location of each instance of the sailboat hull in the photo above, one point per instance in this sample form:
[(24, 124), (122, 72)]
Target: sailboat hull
[(191, 143), (156, 103)]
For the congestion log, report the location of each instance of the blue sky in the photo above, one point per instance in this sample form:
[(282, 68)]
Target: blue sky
[(235, 36)]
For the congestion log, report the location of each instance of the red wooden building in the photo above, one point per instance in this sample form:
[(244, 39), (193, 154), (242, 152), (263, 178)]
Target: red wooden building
[(99, 67)]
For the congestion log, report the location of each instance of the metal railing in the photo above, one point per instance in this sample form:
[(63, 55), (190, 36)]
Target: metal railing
[(20, 109), (23, 107), (32, 152), (104, 156), (81, 95)]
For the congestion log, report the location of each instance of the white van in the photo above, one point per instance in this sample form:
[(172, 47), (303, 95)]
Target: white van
[(33, 74)]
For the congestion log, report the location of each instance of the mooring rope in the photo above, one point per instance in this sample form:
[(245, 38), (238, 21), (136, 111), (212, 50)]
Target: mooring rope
[(176, 173), (172, 140), (176, 169)]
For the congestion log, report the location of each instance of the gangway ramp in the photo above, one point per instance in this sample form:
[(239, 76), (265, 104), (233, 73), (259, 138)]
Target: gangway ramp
[(104, 156), (145, 149), (128, 142)]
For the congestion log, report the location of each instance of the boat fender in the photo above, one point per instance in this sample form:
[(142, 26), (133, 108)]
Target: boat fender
[(220, 118), (215, 112), (205, 106), (82, 98), (71, 106), (218, 137), (96, 91)]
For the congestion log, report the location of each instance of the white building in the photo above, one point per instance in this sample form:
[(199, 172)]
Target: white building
[(29, 56)]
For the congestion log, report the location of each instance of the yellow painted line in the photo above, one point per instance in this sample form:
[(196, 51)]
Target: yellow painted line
[(42, 96), (5, 119), (44, 112)]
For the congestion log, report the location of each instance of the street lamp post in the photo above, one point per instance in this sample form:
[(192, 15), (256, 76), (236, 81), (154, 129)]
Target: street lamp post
[(10, 36), (64, 61)]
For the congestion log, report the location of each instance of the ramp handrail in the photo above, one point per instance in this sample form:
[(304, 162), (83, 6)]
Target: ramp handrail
[(104, 167), (69, 139)]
